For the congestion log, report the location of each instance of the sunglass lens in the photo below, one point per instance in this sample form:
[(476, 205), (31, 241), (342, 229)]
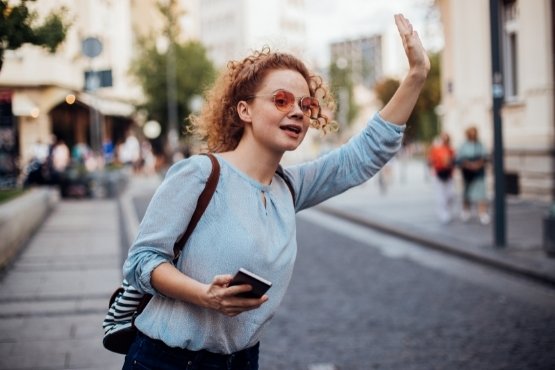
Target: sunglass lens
[(310, 106), (284, 100)]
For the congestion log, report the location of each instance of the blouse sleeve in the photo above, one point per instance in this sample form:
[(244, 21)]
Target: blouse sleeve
[(165, 220), (347, 166)]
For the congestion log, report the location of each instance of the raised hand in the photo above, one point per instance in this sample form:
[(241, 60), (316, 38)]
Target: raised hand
[(416, 54), (400, 106)]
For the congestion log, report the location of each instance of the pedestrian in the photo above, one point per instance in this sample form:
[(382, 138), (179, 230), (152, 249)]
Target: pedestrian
[(441, 158), (60, 156), (60, 160), (130, 151), (37, 171), (472, 158), (256, 111)]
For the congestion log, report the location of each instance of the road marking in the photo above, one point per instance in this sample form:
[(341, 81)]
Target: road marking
[(322, 367)]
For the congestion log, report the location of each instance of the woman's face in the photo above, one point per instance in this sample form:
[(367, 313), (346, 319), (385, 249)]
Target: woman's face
[(270, 127)]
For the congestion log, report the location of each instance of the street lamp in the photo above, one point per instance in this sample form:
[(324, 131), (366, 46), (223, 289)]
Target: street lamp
[(152, 129)]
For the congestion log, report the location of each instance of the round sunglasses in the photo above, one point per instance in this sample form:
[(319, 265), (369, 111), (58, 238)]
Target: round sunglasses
[(284, 100)]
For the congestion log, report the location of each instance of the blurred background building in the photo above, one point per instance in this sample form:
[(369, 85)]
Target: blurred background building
[(230, 29), (82, 93), (363, 56), (58, 94), (528, 117)]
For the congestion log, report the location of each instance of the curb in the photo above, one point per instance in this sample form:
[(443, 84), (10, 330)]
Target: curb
[(21, 217), (493, 258)]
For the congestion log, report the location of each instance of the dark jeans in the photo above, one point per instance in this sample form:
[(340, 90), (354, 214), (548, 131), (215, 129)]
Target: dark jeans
[(146, 353)]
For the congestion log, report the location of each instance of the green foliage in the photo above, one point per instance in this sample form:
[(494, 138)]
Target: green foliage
[(9, 194), (341, 82), (385, 89), (17, 27), (193, 73), (423, 124)]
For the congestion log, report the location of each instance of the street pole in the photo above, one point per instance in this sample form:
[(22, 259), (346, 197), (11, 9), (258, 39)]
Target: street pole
[(497, 96), (171, 81), (92, 47)]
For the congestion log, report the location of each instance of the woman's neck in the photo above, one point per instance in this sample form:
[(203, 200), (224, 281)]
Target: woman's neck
[(259, 165)]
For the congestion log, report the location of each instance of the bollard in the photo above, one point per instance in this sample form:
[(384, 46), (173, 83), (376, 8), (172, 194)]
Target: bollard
[(549, 232)]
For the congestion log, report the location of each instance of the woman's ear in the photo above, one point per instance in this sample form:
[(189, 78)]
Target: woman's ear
[(244, 112)]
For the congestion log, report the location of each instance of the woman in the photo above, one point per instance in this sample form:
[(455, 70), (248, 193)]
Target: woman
[(441, 158), (261, 108), (472, 158)]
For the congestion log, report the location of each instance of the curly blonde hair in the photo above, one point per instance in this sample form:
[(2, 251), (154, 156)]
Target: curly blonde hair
[(218, 123)]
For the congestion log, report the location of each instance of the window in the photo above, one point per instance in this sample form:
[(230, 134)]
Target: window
[(510, 48)]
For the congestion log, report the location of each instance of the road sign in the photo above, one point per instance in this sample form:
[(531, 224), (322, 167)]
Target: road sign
[(91, 47)]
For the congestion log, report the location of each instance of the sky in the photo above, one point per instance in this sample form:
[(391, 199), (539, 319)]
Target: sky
[(331, 20)]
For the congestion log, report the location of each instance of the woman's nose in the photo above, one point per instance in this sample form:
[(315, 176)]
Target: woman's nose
[(296, 112)]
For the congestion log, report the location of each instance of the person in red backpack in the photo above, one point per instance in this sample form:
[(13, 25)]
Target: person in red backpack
[(441, 158)]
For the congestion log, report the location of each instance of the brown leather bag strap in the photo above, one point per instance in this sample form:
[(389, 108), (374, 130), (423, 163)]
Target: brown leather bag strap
[(202, 203)]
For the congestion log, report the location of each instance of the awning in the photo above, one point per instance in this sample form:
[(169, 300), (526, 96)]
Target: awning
[(107, 107), (23, 105)]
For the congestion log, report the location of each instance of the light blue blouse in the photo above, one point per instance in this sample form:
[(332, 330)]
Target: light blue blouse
[(237, 230)]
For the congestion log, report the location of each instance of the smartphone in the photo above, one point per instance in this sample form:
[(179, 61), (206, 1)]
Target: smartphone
[(259, 285)]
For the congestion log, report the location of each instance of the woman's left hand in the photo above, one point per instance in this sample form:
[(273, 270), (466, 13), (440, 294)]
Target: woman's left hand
[(399, 107), (221, 297), (416, 54)]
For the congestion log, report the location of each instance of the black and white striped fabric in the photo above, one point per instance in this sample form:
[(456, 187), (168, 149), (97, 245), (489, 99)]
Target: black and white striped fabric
[(125, 304)]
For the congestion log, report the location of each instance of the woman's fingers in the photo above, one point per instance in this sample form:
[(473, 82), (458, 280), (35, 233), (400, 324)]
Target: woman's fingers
[(225, 300), (403, 25), (222, 280), (416, 54), (238, 289), (236, 305)]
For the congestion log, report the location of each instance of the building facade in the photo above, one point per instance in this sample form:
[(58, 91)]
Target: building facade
[(82, 93), (230, 29), (363, 57), (528, 117)]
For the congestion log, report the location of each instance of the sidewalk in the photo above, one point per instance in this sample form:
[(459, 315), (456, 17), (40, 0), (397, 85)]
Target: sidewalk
[(407, 209), (55, 295)]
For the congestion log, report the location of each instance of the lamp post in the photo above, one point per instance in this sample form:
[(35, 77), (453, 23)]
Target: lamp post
[(171, 77), (497, 96), (92, 47), (166, 44)]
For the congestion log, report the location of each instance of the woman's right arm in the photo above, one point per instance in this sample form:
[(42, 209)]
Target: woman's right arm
[(149, 266), (217, 295), (165, 219)]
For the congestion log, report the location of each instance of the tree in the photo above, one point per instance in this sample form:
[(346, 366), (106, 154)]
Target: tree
[(17, 27), (423, 123), (424, 116), (192, 73), (385, 89)]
